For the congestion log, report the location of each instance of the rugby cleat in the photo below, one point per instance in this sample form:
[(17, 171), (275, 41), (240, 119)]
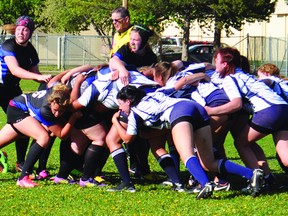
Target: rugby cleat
[(124, 186), (26, 182), (206, 191)]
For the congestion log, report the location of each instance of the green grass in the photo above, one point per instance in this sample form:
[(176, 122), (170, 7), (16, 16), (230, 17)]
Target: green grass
[(150, 199)]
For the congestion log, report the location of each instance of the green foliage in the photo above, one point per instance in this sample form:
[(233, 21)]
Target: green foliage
[(11, 10)]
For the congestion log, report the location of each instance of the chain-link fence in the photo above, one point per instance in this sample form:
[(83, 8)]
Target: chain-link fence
[(69, 51)]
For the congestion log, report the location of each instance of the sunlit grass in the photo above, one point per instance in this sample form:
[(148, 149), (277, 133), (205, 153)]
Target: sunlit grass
[(149, 199)]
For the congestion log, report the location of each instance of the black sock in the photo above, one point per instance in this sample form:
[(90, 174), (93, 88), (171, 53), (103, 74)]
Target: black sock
[(68, 159), (21, 149), (141, 150), (167, 164), (91, 160), (45, 155), (102, 161), (33, 155)]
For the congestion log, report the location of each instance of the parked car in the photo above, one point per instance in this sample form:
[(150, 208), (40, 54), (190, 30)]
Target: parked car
[(196, 53), (171, 44)]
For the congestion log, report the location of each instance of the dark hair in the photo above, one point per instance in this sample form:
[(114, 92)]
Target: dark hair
[(144, 32), (245, 65), (232, 57), (131, 93), (123, 12)]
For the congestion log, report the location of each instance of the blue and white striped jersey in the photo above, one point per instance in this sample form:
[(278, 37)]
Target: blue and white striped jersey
[(105, 91), (153, 111), (258, 93), (279, 85)]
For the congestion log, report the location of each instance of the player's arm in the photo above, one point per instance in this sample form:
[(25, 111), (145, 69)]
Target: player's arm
[(127, 138), (190, 80), (21, 73), (116, 64), (63, 132)]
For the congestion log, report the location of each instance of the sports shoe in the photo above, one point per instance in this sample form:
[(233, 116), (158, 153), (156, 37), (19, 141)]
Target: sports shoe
[(178, 187), (269, 181), (58, 180), (123, 186), (26, 182), (192, 181), (196, 188), (167, 182), (19, 167), (206, 191), (43, 175), (88, 183), (101, 180), (3, 162), (256, 182), (222, 186)]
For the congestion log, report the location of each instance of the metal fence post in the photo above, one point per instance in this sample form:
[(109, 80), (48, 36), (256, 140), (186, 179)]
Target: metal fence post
[(58, 52), (63, 52)]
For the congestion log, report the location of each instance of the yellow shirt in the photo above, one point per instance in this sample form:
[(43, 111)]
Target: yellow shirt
[(120, 39)]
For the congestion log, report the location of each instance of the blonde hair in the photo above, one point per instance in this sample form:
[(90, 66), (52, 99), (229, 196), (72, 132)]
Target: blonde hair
[(165, 70), (60, 95), (269, 68)]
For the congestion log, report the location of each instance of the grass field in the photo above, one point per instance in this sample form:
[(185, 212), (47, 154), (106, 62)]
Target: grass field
[(149, 199)]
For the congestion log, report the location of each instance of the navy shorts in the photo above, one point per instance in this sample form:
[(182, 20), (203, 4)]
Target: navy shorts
[(217, 98), (189, 111), (272, 119)]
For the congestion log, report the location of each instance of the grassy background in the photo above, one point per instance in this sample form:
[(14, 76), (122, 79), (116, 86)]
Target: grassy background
[(149, 199)]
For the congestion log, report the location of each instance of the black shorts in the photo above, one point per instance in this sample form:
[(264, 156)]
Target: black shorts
[(15, 115)]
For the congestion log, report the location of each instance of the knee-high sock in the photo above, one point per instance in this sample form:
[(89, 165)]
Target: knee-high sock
[(228, 167), (21, 149), (138, 152), (120, 160), (45, 155), (175, 156), (33, 155), (91, 160), (68, 159), (102, 161), (167, 164), (195, 168)]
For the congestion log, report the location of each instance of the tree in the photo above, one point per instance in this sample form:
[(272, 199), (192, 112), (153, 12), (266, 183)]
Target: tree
[(11, 10), (227, 14), (184, 13), (217, 15)]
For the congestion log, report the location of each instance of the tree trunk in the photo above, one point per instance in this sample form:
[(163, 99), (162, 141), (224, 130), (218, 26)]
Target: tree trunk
[(217, 33), (186, 35)]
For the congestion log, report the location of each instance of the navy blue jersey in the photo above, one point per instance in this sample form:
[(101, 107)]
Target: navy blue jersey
[(27, 57), (37, 106)]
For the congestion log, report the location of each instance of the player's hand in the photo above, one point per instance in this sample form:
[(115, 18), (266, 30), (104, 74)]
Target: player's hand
[(44, 78), (115, 118)]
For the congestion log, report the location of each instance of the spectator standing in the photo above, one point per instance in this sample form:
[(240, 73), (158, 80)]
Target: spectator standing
[(121, 22)]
